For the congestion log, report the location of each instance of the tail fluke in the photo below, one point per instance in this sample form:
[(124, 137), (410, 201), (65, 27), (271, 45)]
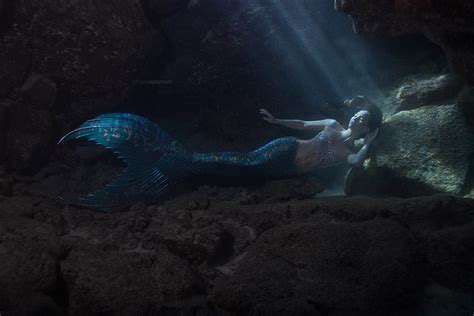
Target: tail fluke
[(145, 149)]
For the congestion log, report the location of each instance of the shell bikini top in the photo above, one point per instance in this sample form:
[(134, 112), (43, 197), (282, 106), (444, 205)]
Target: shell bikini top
[(325, 150)]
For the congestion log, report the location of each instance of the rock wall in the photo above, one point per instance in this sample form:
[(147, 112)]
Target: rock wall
[(447, 23), (62, 60), (208, 65)]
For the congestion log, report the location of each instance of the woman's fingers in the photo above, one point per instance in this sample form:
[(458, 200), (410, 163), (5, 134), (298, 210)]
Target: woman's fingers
[(268, 119), (267, 116), (265, 113)]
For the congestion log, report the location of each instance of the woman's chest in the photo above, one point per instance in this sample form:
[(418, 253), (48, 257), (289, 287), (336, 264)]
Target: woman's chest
[(322, 151), (332, 142)]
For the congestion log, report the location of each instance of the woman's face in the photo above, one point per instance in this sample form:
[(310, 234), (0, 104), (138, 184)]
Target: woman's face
[(360, 120)]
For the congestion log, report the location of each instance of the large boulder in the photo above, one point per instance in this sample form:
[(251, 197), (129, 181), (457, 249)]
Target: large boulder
[(443, 225), (28, 269), (316, 267), (114, 282), (450, 256), (419, 151), (420, 90)]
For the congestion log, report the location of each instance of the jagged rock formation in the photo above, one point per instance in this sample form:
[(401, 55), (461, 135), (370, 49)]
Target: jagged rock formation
[(420, 90), (420, 151), (215, 251), (446, 23)]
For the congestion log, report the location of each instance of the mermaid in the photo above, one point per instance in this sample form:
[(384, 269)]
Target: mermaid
[(155, 161)]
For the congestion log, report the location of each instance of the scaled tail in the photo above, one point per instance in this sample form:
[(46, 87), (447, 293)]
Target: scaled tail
[(154, 159)]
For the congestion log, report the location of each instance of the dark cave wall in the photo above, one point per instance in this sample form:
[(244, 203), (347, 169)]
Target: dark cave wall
[(62, 61), (201, 69), (446, 23)]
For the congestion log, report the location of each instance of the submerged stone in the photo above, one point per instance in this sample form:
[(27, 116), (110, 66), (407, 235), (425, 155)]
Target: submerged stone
[(125, 283), (422, 150), (31, 124), (303, 269), (416, 91)]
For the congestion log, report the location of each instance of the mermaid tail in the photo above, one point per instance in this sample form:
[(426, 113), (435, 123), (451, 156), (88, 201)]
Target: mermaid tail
[(273, 160), (155, 161), (142, 146)]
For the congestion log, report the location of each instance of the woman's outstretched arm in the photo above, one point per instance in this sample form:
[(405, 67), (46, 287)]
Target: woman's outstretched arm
[(299, 124)]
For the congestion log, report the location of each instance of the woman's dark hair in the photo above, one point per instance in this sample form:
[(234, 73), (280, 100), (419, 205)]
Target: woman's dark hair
[(361, 103)]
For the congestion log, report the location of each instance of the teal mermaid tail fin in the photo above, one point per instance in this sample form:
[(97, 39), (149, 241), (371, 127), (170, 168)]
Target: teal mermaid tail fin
[(147, 151), (155, 161)]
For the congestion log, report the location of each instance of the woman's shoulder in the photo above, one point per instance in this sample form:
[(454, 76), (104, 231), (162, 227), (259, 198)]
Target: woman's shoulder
[(333, 130), (335, 125)]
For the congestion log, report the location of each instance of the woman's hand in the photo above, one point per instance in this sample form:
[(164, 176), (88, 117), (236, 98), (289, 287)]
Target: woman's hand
[(267, 116), (369, 138)]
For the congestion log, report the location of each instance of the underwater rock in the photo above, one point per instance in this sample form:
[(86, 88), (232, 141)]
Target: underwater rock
[(334, 255), (6, 185), (443, 224), (29, 139), (450, 256), (285, 190), (4, 108), (31, 126), (417, 152), (446, 23), (417, 91), (6, 8), (194, 244), (28, 268), (318, 267), (39, 92), (16, 58), (466, 100), (90, 48), (104, 281), (158, 9), (190, 70), (282, 191), (217, 10)]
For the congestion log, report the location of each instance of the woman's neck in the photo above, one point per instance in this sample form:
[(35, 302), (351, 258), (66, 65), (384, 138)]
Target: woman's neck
[(350, 135), (347, 136)]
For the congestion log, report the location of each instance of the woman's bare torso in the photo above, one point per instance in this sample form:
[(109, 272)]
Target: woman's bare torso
[(322, 150)]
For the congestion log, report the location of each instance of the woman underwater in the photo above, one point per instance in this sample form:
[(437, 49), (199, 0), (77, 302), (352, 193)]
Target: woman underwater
[(155, 161)]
